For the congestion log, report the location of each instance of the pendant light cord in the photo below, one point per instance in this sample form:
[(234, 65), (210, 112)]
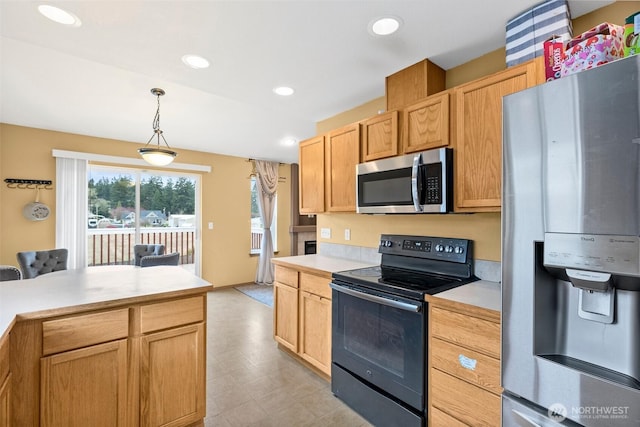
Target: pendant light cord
[(156, 125)]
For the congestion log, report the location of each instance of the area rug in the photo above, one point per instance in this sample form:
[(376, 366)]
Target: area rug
[(261, 293)]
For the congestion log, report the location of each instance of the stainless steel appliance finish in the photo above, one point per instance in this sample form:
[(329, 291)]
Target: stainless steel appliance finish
[(570, 250), (379, 325), (414, 183)]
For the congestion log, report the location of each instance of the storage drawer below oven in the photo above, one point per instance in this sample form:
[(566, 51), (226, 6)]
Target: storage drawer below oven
[(376, 407), (469, 365), (463, 401)]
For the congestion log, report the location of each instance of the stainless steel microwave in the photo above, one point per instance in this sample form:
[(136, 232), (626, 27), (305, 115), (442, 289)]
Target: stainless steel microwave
[(414, 183)]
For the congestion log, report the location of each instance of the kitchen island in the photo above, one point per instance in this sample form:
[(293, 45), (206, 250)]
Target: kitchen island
[(115, 345)]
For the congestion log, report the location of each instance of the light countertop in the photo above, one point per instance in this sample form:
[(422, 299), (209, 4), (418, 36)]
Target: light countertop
[(482, 293), (69, 291), (320, 263)]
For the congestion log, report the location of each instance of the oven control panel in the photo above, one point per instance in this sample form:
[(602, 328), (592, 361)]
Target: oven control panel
[(441, 248)]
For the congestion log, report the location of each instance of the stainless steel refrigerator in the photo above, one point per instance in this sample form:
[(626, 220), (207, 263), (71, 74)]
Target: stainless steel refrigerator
[(571, 250)]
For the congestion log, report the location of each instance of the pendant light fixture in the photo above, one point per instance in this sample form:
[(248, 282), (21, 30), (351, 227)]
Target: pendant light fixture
[(155, 155)]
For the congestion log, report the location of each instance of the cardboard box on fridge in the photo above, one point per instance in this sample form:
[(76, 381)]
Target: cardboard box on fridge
[(527, 32), (553, 56), (601, 44)]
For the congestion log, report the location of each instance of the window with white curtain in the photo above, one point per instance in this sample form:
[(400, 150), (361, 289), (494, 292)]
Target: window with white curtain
[(256, 222)]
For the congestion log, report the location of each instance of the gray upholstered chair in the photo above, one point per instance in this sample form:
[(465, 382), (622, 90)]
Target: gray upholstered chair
[(9, 272), (140, 251), (154, 260), (36, 263)]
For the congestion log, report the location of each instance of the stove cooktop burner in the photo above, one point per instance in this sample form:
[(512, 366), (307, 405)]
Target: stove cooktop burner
[(414, 266)]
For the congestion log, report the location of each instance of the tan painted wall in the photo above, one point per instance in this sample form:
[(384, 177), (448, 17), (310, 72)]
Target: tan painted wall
[(484, 229), (26, 153)]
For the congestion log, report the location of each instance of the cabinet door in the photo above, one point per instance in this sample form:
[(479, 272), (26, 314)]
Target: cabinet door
[(478, 144), (311, 153), (85, 387), (285, 315), (172, 377), (426, 124), (5, 402), (315, 331), (343, 154), (380, 136)]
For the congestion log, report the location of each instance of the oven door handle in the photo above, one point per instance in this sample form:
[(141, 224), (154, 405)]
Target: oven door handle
[(414, 308)]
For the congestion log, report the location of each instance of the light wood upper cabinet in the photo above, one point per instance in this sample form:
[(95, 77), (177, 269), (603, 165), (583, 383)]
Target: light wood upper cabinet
[(343, 155), (312, 165), (380, 136), (426, 124), (478, 139)]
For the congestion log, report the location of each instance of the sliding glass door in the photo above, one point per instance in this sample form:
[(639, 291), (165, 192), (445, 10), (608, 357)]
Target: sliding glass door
[(130, 206)]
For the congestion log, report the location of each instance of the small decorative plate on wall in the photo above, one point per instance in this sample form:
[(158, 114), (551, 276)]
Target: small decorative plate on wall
[(36, 211)]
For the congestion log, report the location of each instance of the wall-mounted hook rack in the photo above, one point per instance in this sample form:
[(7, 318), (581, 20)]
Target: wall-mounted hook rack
[(29, 183)]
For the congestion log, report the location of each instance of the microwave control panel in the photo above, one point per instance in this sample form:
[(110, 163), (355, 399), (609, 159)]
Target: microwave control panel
[(432, 194)]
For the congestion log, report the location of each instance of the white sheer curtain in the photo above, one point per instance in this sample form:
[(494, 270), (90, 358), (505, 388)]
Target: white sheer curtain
[(71, 209), (267, 184)]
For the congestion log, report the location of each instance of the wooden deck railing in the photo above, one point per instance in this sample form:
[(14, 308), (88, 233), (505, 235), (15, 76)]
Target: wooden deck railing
[(109, 246), (256, 239)]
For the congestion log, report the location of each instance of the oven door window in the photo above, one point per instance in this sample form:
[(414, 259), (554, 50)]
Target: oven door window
[(382, 345)]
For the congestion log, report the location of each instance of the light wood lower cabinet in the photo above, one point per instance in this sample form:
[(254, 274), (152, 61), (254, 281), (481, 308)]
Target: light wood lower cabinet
[(86, 387), (285, 315), (315, 330), (137, 365), (172, 376), (464, 365), (5, 384), (302, 315)]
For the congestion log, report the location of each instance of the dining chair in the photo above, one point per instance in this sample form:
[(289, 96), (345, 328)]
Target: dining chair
[(36, 263), (9, 272), (155, 260), (140, 251)]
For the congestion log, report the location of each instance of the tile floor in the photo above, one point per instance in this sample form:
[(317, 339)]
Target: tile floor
[(250, 382)]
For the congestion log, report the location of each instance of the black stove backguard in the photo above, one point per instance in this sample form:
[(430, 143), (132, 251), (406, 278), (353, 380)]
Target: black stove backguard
[(379, 326)]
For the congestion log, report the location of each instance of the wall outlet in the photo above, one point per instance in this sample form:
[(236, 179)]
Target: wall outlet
[(347, 234), (325, 233)]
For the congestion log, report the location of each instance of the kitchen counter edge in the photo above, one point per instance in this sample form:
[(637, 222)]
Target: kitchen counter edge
[(24, 305), (320, 264), (484, 295)]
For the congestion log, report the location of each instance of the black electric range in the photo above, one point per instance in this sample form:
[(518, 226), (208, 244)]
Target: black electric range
[(380, 323)]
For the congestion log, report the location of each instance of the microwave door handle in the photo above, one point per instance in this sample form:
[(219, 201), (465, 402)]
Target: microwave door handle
[(415, 170)]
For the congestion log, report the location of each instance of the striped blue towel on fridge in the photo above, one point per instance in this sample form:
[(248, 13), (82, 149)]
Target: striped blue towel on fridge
[(527, 32)]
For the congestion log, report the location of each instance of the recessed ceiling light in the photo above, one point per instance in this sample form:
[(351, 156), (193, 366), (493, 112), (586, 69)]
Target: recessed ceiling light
[(288, 142), (195, 61), (385, 25), (283, 90), (60, 16)]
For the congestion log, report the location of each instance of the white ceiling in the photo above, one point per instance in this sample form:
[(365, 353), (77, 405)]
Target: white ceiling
[(96, 79)]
